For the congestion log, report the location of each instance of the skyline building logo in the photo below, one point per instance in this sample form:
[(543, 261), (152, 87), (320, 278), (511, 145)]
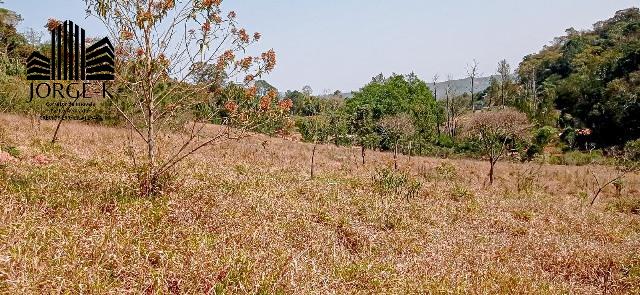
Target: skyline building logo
[(71, 59)]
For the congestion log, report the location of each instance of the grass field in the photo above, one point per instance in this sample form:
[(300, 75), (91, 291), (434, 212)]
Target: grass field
[(244, 217)]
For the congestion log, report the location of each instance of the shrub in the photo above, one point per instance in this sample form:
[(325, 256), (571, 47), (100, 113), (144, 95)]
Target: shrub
[(632, 150), (446, 171), (627, 205), (542, 137), (11, 150), (460, 193), (399, 183), (446, 141), (576, 158), (545, 135)]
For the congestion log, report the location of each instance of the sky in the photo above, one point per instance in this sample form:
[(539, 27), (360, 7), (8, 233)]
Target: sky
[(340, 44)]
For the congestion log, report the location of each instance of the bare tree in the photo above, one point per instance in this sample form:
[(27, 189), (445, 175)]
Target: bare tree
[(504, 70), (160, 48), (436, 77), (455, 106), (398, 128), (307, 90), (472, 73), (449, 97), (495, 132)]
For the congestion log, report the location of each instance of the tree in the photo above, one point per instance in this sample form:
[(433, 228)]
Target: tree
[(307, 90), (593, 76), (393, 95), (316, 130), (435, 95), (154, 70), (454, 106), (397, 128), (386, 97), (436, 77), (364, 127), (504, 70), (472, 73), (495, 132)]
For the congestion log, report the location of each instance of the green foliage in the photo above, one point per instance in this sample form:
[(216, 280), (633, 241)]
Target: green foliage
[(544, 135), (460, 193), (399, 183), (445, 140), (446, 171), (332, 125), (379, 105), (577, 158), (632, 150), (426, 147), (395, 95), (594, 76), (314, 129), (363, 126), (626, 204), (541, 138), (395, 130), (339, 127), (11, 150), (14, 49)]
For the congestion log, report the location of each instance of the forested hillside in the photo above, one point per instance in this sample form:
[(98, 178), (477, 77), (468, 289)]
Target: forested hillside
[(592, 77)]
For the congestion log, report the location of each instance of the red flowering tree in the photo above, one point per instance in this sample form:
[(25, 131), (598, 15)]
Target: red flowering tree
[(162, 47)]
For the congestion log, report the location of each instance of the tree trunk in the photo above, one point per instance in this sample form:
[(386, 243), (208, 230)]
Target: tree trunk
[(363, 154), (502, 94), (313, 161), (472, 89), (149, 105), (491, 170), (395, 157), (55, 133), (151, 154)]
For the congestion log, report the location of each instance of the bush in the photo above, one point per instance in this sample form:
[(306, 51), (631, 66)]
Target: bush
[(627, 205), (576, 158), (545, 135), (401, 184), (446, 171), (460, 193), (11, 150), (542, 137), (632, 150), (446, 141)]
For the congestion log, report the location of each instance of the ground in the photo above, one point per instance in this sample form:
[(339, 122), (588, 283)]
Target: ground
[(245, 217)]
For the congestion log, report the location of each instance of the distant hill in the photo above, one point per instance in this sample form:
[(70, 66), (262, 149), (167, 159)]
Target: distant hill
[(459, 87), (462, 85)]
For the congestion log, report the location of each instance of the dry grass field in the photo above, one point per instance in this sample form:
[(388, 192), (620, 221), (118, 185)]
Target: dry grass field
[(244, 218)]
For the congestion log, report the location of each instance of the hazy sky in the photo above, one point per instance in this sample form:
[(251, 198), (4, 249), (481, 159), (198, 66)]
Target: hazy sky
[(341, 44)]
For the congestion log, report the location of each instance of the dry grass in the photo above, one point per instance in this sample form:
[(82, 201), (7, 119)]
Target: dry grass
[(246, 219)]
